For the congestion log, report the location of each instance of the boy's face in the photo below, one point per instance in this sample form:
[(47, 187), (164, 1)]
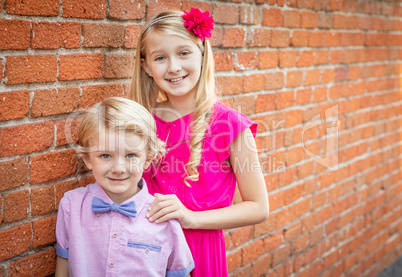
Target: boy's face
[(117, 161)]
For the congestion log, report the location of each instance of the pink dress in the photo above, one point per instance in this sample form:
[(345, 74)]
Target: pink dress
[(216, 186)]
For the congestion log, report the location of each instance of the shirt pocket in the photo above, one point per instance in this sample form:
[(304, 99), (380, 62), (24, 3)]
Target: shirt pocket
[(146, 246)]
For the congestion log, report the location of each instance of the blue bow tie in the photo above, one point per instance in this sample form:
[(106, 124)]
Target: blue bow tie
[(100, 206)]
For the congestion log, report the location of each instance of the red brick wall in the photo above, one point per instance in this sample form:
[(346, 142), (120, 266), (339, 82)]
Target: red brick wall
[(322, 78)]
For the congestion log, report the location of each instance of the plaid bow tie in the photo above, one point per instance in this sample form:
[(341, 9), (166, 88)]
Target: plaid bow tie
[(100, 206)]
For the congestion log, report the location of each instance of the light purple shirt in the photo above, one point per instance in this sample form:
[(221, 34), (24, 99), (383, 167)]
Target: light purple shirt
[(113, 244)]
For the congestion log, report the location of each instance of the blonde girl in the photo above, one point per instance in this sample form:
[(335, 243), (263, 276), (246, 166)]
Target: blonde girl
[(210, 147)]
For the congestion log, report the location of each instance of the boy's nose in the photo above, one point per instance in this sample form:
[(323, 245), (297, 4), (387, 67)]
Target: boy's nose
[(119, 168)]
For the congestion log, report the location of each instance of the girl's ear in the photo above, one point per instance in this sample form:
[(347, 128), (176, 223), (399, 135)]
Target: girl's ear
[(144, 66), (87, 161)]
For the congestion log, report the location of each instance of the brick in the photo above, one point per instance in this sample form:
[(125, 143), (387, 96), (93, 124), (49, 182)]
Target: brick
[(293, 118), (272, 241), (339, 21), (312, 77), (268, 59), (252, 251), (241, 236), (292, 231), (324, 20), (249, 15), (254, 82), (91, 9), (14, 241), (245, 60), (281, 255), (67, 130), (223, 61), (287, 58), (259, 37), (42, 200), (31, 69), (131, 34), (156, 6), (118, 66), (274, 80), (44, 231), (299, 38), (95, 94), (245, 104), (309, 19), (16, 206), (272, 17), (103, 35), (53, 35), (321, 57), (316, 39), (187, 5), (331, 39), (285, 99), (291, 19), (80, 66), (48, 102), (14, 104), (13, 173), (234, 260), (52, 165), (229, 85), (15, 34), (265, 102), (25, 138), (305, 58), (127, 9), (42, 263), (216, 39), (225, 14), (261, 266), (294, 78), (63, 187), (234, 37), (280, 38), (33, 7)]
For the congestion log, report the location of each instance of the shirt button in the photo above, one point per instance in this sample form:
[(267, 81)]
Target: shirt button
[(111, 264), (146, 251), (114, 235)]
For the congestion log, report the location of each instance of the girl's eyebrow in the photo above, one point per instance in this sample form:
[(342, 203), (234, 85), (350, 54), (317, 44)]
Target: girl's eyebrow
[(178, 47)]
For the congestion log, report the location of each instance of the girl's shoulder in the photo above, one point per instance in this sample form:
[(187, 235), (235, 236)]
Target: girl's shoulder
[(227, 115)]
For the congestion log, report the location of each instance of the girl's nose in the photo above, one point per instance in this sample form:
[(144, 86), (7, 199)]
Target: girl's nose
[(174, 66)]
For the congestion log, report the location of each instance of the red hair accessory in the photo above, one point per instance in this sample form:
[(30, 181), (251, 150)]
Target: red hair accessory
[(200, 23)]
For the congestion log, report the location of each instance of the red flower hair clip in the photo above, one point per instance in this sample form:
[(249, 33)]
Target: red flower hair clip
[(200, 23)]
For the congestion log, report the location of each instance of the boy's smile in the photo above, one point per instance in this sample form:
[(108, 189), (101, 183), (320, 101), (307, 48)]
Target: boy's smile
[(117, 161), (174, 63)]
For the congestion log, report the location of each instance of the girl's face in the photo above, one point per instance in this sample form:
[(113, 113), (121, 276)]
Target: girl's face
[(174, 63), (117, 161)]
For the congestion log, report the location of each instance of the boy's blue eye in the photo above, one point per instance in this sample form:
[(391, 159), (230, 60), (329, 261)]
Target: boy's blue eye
[(105, 156), (130, 156)]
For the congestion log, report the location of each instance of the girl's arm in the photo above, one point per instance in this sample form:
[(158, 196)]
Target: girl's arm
[(254, 208), (61, 267)]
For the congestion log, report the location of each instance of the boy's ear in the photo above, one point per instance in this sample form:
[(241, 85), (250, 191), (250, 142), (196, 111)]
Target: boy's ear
[(148, 161), (87, 161)]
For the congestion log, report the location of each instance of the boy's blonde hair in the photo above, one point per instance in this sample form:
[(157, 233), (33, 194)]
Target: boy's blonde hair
[(119, 114), (145, 91)]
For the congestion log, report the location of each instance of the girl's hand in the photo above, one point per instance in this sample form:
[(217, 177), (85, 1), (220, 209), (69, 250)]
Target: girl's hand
[(167, 207)]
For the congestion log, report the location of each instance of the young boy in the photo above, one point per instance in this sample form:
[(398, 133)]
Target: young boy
[(101, 229)]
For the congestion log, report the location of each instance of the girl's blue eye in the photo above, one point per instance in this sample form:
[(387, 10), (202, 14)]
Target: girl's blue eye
[(184, 53), (105, 156), (159, 58), (130, 156)]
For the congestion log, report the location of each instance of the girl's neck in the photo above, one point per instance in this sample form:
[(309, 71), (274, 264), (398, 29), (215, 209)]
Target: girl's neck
[(176, 107)]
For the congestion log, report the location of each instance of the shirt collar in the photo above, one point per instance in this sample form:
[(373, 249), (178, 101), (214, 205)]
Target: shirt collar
[(140, 198)]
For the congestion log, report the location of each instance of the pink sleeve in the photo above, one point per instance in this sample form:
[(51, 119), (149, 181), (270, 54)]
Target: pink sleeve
[(63, 228), (225, 129), (180, 261)]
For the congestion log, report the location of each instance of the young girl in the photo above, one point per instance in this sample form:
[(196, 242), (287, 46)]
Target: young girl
[(210, 147), (101, 229)]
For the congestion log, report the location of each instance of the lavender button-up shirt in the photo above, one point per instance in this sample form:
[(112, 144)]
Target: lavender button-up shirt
[(113, 244)]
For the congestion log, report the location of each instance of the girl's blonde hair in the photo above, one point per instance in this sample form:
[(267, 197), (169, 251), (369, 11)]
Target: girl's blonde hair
[(120, 114), (145, 91)]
